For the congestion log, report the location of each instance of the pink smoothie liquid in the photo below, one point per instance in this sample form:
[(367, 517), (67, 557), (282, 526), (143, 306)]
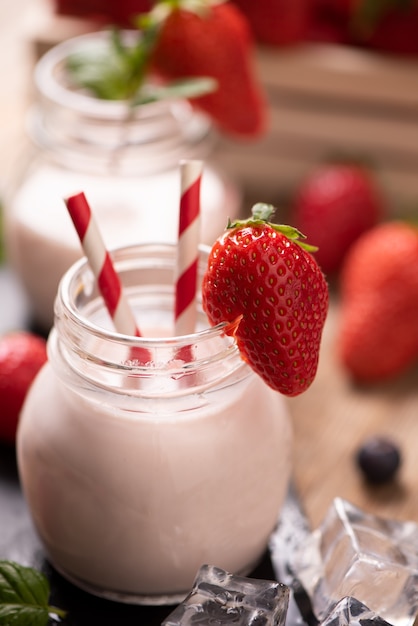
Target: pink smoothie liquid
[(128, 501)]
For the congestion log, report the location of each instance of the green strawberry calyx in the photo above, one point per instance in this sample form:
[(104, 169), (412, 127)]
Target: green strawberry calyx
[(163, 8), (260, 216)]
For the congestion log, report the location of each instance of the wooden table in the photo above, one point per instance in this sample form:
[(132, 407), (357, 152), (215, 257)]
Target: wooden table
[(332, 418)]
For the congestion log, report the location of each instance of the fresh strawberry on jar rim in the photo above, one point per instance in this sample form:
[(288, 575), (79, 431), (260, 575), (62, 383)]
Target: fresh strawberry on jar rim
[(264, 277)]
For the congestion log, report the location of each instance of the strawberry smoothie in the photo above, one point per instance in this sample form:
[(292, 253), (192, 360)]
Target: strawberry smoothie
[(137, 475), (136, 504)]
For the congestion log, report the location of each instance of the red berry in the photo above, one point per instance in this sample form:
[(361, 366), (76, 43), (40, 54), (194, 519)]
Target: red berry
[(333, 207), (378, 333), (259, 272), (277, 22), (216, 43), (331, 21), (387, 26), (121, 13), (21, 356)]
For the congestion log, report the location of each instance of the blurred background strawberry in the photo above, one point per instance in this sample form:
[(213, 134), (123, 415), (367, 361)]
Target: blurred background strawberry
[(330, 20), (215, 43), (120, 13), (389, 25), (333, 206), (277, 22), (378, 331), (22, 355), (384, 25)]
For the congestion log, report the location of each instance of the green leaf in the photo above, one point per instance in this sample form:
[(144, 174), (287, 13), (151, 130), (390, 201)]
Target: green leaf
[(261, 213), (100, 73), (24, 596), (114, 70), (117, 68), (117, 71), (186, 88), (11, 615)]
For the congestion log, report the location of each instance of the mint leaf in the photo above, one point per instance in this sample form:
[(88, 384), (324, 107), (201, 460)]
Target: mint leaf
[(24, 596), (118, 71), (114, 70), (184, 88), (117, 68), (98, 72)]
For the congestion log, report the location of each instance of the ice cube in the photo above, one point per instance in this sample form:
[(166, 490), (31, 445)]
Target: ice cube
[(291, 531), (218, 597), (354, 553), (351, 612)]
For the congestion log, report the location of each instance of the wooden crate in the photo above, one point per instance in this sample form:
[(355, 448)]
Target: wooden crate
[(331, 101)]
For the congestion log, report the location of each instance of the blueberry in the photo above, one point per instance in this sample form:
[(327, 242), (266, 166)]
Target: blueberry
[(379, 459)]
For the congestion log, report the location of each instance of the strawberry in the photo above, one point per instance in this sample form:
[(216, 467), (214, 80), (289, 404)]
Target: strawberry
[(331, 21), (333, 206), (385, 25), (121, 13), (388, 26), (196, 49), (277, 22), (21, 356), (264, 279), (216, 42), (378, 333)]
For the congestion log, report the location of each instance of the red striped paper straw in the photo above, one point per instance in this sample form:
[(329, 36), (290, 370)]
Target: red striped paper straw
[(101, 264), (188, 247)]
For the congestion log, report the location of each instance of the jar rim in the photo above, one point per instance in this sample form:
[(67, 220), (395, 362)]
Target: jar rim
[(97, 353), (47, 83), (97, 135), (68, 285)]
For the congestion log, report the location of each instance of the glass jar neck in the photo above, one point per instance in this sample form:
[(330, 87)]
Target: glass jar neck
[(102, 136), (84, 343)]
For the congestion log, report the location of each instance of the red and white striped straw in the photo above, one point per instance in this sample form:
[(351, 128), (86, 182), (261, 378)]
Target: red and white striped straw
[(101, 264), (188, 247)]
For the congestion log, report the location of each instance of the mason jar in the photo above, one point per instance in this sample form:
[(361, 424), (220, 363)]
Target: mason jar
[(124, 158), (138, 471)]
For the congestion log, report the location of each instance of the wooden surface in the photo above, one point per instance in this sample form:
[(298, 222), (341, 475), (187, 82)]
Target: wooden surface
[(334, 417), (330, 420)]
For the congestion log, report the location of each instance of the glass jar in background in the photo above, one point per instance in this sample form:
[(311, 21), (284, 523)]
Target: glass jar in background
[(138, 474), (126, 161)]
